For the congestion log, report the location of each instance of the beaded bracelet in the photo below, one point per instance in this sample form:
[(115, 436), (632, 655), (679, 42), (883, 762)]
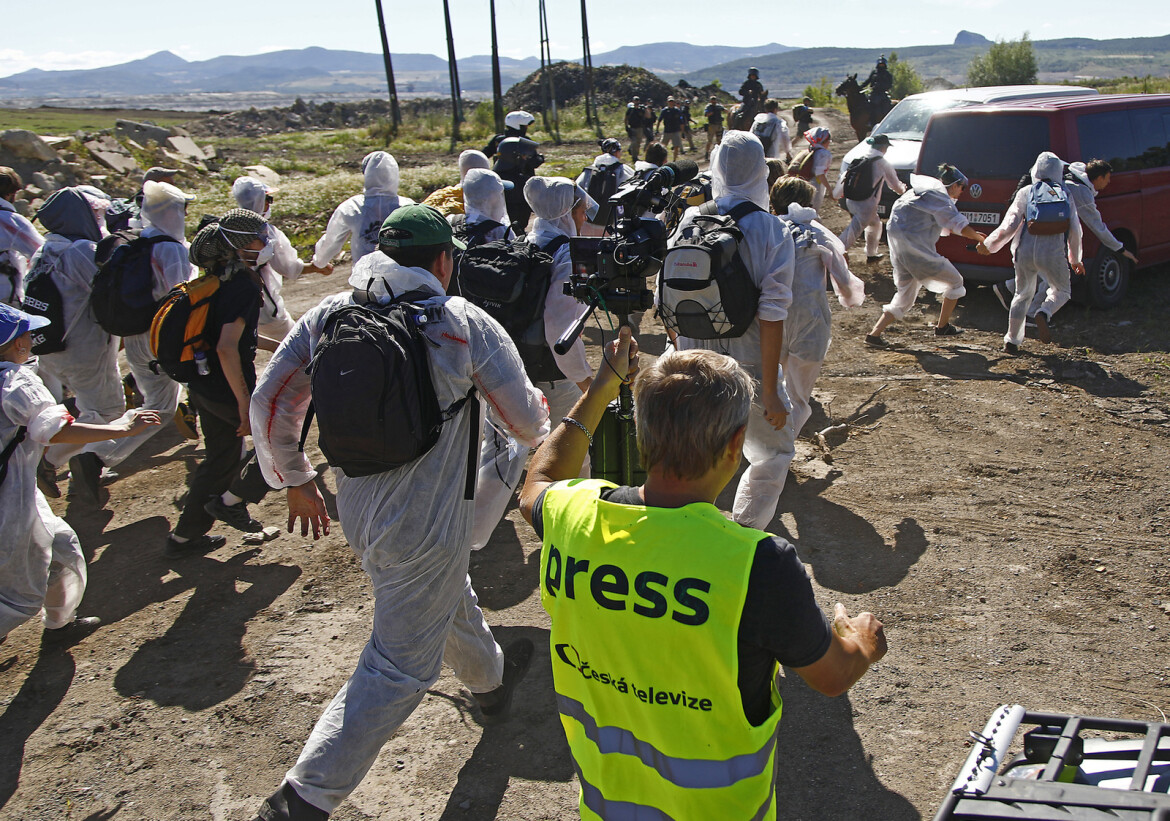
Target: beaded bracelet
[(568, 420)]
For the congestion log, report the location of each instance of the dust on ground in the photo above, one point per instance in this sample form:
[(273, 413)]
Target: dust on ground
[(1006, 517)]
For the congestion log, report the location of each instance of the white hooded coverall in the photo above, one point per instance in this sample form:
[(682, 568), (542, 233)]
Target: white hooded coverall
[(808, 328), (89, 363), (865, 212), (739, 173), (409, 526), (41, 564), (917, 220), (359, 218), (777, 141), (275, 322), (19, 240), (1034, 255), (163, 213)]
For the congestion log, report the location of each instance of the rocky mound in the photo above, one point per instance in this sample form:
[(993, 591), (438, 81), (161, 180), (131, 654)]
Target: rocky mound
[(611, 85)]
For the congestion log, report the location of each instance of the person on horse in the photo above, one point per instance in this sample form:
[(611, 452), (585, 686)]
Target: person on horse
[(753, 94), (879, 83)]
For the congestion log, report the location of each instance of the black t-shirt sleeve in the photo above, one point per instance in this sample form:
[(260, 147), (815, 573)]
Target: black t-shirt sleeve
[(780, 613), (538, 515), (781, 623)]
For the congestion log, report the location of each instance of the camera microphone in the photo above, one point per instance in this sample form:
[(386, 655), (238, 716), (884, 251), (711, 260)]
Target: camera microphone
[(683, 170)]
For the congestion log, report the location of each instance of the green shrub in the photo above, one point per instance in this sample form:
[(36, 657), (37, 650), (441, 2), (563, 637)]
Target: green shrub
[(1007, 62)]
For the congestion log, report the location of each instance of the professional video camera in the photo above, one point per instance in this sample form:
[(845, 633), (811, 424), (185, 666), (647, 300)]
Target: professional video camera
[(610, 272)]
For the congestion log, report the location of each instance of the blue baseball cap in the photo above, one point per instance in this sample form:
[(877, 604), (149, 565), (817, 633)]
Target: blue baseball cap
[(14, 323)]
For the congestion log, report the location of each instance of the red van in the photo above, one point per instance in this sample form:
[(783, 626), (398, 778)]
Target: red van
[(996, 145)]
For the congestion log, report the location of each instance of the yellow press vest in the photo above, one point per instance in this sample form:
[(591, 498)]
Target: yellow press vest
[(645, 606)]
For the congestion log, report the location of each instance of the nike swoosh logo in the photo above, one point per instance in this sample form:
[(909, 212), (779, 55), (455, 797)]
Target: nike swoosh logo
[(351, 370)]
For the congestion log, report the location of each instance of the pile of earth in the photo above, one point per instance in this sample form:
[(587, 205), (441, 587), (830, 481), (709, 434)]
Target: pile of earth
[(611, 85)]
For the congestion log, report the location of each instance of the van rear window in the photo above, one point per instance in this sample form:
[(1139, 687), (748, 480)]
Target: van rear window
[(1000, 146)]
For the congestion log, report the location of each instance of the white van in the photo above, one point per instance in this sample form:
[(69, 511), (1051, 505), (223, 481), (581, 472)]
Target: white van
[(906, 123)]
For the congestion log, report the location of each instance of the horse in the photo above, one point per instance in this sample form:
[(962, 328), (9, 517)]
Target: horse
[(858, 104)]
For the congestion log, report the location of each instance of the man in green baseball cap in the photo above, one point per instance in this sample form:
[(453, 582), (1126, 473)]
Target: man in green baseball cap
[(418, 236)]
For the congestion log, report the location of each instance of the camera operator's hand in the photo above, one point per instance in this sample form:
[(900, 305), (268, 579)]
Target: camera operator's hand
[(620, 365)]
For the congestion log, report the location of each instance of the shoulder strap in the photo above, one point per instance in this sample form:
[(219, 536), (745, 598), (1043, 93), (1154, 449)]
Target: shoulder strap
[(554, 245), (9, 449), (709, 209), (743, 209)]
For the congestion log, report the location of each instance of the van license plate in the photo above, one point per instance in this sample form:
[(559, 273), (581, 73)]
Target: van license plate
[(982, 217)]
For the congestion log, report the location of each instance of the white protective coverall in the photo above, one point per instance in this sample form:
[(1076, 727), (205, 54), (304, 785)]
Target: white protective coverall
[(1084, 196), (409, 526), (472, 158), (917, 220), (89, 363), (1033, 255), (360, 217), (739, 173), (502, 460), (163, 213), (285, 265), (19, 240), (483, 200), (865, 212), (41, 564), (777, 141), (808, 329)]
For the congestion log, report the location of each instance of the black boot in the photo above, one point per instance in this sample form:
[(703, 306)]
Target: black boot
[(286, 805)]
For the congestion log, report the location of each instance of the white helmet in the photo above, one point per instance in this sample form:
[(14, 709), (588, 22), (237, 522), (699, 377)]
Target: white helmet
[(518, 119)]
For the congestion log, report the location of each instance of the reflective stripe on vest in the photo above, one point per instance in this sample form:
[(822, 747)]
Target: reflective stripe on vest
[(697, 773), (592, 798), (645, 605)]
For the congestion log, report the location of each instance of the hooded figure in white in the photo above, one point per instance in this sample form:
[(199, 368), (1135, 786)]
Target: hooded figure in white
[(42, 568), (89, 363), (738, 174), (917, 220), (605, 160), (360, 217), (282, 263), (773, 134), (484, 205), (19, 240), (409, 526), (865, 212), (163, 213), (1048, 256)]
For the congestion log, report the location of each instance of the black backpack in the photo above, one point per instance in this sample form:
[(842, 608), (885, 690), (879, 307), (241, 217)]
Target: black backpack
[(42, 297), (706, 291), (603, 182), (372, 393), (510, 281), (123, 288), (859, 183)]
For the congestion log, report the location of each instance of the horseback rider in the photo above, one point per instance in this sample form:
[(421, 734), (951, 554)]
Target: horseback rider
[(753, 94), (879, 83)]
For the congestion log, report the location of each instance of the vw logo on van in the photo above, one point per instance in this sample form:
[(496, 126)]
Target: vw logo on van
[(976, 190)]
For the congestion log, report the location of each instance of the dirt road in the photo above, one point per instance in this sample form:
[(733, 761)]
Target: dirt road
[(1006, 517)]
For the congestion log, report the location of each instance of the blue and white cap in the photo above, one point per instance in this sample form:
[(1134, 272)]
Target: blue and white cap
[(14, 323)]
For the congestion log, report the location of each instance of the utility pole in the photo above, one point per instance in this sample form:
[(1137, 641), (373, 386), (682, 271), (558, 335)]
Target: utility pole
[(591, 116), (395, 114), (549, 88), (456, 97), (497, 93)]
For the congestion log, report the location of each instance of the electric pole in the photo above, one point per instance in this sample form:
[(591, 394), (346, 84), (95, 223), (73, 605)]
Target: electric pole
[(395, 114)]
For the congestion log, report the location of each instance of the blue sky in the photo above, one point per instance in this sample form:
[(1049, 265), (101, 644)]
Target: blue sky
[(97, 34)]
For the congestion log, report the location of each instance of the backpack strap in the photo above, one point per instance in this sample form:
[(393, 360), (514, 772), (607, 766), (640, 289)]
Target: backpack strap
[(554, 245), (742, 210), (9, 449)]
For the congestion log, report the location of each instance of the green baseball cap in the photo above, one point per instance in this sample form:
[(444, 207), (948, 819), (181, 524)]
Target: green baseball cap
[(413, 226)]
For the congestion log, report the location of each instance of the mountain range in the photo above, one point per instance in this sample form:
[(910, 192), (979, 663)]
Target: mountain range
[(324, 74), (318, 70)]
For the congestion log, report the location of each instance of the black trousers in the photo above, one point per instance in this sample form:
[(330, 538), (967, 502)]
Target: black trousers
[(225, 466)]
